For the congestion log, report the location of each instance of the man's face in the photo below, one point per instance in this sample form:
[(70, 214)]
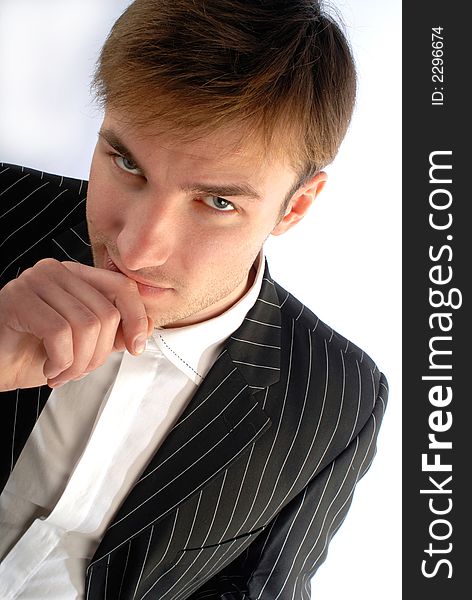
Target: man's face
[(164, 214)]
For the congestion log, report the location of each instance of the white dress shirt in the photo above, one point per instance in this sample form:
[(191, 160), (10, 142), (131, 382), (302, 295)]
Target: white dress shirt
[(90, 444)]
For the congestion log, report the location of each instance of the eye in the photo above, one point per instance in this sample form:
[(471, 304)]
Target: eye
[(218, 203), (125, 165)]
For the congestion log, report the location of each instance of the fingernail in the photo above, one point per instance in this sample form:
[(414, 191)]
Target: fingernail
[(140, 344)]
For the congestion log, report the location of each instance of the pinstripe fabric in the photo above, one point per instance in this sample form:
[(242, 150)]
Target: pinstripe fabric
[(243, 497)]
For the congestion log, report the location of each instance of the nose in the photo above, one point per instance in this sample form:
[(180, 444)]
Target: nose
[(148, 235)]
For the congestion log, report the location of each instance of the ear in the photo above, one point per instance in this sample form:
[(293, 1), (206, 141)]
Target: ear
[(300, 203)]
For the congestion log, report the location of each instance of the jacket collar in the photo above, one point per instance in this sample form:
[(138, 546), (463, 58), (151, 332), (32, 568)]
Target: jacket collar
[(254, 347)]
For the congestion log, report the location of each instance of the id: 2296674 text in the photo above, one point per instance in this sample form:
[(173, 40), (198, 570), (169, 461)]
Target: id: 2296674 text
[(437, 66)]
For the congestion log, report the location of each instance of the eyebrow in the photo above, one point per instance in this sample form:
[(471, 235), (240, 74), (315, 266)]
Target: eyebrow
[(232, 189), (114, 141)]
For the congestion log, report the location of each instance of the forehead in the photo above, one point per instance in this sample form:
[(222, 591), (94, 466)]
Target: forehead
[(234, 147)]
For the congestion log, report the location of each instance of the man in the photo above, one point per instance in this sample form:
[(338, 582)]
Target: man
[(217, 459)]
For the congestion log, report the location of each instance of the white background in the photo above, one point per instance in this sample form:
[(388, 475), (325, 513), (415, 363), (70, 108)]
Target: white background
[(349, 244)]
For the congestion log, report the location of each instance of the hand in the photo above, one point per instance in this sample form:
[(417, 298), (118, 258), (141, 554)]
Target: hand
[(61, 320)]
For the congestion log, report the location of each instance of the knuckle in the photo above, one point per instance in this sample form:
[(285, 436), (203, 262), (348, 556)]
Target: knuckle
[(111, 314), (26, 276), (45, 263), (142, 321), (46, 267), (136, 321), (84, 318), (89, 321), (60, 329)]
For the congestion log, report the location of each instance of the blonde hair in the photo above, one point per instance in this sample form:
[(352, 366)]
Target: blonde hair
[(280, 70)]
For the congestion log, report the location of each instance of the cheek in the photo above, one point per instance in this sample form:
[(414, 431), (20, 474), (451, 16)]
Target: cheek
[(198, 248), (220, 250), (103, 204), (202, 252)]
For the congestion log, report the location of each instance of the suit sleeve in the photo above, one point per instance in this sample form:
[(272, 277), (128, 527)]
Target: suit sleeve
[(34, 206), (280, 563)]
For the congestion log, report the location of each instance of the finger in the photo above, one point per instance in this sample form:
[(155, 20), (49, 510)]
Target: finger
[(36, 317), (85, 327), (120, 345), (105, 312), (124, 294), (150, 326), (133, 322), (93, 319)]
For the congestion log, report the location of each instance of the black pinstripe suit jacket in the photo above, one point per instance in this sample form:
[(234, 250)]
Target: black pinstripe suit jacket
[(243, 497)]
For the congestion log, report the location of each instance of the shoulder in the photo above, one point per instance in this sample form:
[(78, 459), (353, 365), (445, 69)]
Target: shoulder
[(340, 373), (33, 200), (36, 207), (305, 321), (16, 180)]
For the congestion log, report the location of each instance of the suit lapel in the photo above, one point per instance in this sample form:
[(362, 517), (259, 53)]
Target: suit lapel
[(218, 424), (255, 346)]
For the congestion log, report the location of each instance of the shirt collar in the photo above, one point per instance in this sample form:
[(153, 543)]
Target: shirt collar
[(194, 348)]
